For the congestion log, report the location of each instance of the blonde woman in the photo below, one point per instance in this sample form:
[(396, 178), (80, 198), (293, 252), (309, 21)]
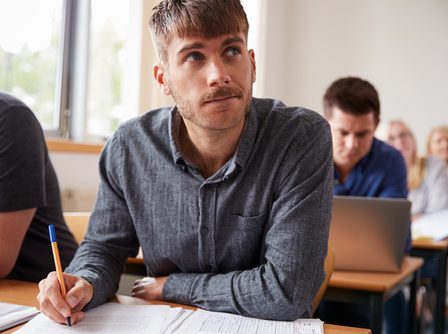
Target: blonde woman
[(438, 143), (427, 176)]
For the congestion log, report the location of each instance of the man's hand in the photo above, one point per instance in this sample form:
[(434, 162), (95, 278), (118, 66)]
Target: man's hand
[(149, 288), (79, 293)]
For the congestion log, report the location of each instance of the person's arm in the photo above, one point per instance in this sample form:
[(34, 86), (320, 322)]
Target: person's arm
[(110, 238), (22, 180), (394, 184), (293, 249), (94, 273), (437, 186), (13, 227)]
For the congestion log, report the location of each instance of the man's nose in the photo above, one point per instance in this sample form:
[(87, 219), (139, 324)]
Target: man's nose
[(351, 142), (218, 74)]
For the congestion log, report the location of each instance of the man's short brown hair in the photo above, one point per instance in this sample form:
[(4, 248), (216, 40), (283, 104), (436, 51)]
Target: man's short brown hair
[(353, 96), (208, 18)]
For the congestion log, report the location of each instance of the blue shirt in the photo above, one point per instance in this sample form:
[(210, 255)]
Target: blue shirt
[(381, 173)]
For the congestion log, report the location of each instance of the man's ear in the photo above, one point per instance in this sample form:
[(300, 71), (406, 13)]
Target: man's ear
[(159, 75), (253, 65)]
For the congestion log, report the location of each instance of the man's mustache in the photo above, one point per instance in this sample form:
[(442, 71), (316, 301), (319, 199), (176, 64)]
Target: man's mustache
[(221, 92)]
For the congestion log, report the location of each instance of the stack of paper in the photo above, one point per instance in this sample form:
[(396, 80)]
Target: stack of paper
[(205, 322), (108, 318), (434, 225), (135, 319), (12, 315)]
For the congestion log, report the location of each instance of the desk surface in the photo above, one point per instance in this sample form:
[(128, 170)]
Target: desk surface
[(24, 293), (428, 243), (372, 281), (136, 260)]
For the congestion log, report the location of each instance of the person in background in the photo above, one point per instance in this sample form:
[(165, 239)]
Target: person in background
[(228, 196), (438, 143), (363, 166), (427, 176), (29, 197)]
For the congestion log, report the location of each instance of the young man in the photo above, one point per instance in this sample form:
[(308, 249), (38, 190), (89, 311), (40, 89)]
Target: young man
[(363, 166), (228, 196), (29, 197)]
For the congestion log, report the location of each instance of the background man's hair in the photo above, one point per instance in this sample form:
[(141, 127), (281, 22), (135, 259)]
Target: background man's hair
[(208, 18), (352, 95)]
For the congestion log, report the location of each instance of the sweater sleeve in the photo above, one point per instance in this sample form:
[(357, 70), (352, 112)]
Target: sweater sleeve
[(110, 238)]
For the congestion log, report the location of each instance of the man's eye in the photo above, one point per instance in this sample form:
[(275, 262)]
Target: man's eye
[(192, 57), (362, 135), (233, 51)]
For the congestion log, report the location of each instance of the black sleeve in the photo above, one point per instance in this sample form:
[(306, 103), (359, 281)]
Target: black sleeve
[(22, 159)]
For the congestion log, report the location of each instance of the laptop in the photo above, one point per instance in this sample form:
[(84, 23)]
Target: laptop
[(369, 234)]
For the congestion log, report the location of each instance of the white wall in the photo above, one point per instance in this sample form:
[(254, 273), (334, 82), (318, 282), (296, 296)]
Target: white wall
[(78, 178), (76, 170), (400, 46)]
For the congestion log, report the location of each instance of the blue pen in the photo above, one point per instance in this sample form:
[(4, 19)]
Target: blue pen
[(57, 263)]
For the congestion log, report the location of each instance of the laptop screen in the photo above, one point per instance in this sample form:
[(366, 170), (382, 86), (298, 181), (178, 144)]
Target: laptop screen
[(369, 234)]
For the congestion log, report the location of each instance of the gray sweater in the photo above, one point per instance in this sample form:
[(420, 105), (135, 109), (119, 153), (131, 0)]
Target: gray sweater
[(432, 194), (251, 239)]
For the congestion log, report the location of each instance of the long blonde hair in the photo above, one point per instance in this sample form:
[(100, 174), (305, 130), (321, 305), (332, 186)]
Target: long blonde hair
[(417, 165), (417, 172)]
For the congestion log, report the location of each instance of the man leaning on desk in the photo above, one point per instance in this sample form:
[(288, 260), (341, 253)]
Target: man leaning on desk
[(229, 196), (363, 166)]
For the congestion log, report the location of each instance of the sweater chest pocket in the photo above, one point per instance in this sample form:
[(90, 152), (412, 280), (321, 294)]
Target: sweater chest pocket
[(242, 240)]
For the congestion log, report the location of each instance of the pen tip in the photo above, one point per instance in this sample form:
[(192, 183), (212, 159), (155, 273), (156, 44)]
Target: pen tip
[(69, 321)]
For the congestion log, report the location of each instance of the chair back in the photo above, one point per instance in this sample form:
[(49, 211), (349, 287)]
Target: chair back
[(329, 266), (77, 223)]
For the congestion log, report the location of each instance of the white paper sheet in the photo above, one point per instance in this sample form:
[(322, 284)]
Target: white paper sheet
[(176, 322), (434, 225), (204, 322), (13, 314), (112, 318)]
